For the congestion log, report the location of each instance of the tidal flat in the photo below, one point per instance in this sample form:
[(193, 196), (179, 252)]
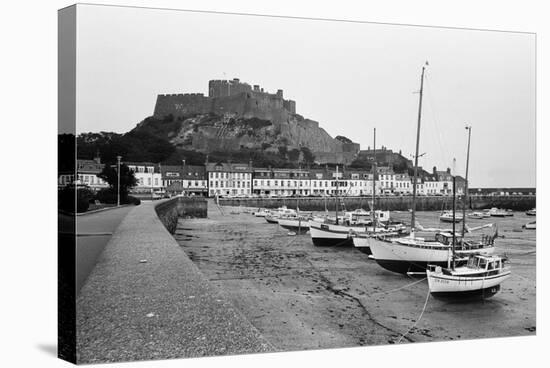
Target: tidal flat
[(300, 296)]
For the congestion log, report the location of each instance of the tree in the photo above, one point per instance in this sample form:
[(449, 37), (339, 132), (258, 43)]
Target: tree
[(127, 180), (309, 158), (294, 154)]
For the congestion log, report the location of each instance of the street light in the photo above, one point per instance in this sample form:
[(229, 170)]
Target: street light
[(118, 180)]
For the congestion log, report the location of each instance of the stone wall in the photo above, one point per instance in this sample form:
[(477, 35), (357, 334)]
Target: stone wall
[(423, 203), (169, 211)]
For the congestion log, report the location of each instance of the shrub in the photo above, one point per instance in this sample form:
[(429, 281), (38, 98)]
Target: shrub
[(67, 195), (133, 200), (106, 196)]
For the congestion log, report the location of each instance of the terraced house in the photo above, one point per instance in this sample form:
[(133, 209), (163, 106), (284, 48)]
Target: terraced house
[(229, 179)]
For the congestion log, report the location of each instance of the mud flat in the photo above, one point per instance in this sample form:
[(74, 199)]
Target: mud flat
[(304, 297)]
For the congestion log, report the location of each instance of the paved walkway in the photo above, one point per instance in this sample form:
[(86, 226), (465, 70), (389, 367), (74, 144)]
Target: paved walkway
[(94, 232), (145, 299)]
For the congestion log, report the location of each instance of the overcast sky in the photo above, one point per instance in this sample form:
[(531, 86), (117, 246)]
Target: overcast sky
[(351, 77)]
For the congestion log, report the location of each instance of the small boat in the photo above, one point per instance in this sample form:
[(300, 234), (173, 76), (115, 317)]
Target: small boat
[(448, 216), (497, 212), (481, 277), (261, 213), (530, 225), (478, 215), (273, 216), (532, 212)]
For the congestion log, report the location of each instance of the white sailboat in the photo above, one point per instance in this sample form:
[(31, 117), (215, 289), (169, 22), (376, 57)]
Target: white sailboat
[(412, 253), (332, 232), (380, 220), (297, 223)]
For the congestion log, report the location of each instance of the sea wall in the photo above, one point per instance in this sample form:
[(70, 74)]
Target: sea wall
[(423, 203), (145, 299), (169, 211)]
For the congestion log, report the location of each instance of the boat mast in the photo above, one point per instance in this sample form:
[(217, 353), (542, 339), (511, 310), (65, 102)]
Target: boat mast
[(413, 212), (374, 182), (465, 196), (454, 223), (336, 195)]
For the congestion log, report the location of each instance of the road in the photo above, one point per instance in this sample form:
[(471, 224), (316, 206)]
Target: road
[(94, 232)]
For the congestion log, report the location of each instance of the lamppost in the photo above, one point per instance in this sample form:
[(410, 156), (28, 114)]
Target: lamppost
[(118, 180)]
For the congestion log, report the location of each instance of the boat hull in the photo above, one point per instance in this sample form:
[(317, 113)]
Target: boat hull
[(448, 286), (298, 226), (322, 235), (403, 258), (362, 244), (271, 220)]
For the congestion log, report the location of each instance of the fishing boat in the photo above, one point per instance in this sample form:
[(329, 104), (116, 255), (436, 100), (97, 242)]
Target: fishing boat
[(412, 253), (532, 212), (481, 276), (530, 225), (447, 216)]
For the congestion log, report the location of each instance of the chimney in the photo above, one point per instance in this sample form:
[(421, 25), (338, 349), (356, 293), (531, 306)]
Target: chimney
[(206, 162), (448, 170), (435, 170)]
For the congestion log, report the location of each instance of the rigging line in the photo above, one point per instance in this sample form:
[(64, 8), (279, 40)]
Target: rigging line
[(438, 135), (418, 320)]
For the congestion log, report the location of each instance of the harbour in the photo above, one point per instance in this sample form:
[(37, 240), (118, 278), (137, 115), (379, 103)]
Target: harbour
[(299, 296)]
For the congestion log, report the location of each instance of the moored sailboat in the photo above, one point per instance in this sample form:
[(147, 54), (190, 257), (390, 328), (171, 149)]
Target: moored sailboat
[(411, 253)]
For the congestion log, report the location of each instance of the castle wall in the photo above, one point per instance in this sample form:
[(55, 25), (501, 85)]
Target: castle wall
[(290, 106), (228, 96), (182, 104), (334, 157)]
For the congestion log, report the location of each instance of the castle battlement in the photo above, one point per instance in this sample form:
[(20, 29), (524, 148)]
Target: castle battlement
[(228, 96)]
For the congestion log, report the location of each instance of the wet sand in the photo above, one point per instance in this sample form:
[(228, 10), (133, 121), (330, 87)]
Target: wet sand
[(304, 297)]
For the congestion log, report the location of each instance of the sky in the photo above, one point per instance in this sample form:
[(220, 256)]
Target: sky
[(350, 77)]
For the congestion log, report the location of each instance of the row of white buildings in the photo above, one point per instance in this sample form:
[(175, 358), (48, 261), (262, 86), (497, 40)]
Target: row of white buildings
[(240, 179)]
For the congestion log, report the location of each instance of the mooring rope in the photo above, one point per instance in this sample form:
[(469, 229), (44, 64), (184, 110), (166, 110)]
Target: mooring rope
[(399, 288), (419, 318)]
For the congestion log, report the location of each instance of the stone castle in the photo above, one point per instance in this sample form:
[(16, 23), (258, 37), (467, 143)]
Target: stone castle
[(234, 98), (231, 97)]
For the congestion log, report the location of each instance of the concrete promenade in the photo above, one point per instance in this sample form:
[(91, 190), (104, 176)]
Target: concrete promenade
[(94, 230), (145, 299)]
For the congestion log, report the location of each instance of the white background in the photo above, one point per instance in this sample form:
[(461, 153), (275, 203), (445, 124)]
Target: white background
[(28, 67)]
